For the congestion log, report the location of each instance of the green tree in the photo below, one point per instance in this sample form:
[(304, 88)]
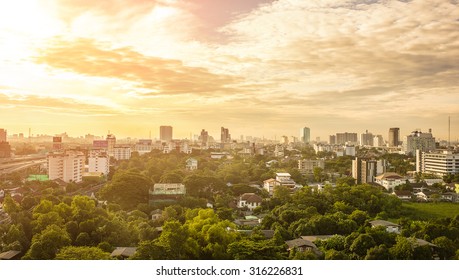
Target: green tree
[(128, 189), (46, 244), (446, 247), (362, 244), (82, 253)]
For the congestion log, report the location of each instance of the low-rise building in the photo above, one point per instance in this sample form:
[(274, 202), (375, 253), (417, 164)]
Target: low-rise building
[(191, 164), (166, 193), (306, 166), (249, 200), (390, 180)]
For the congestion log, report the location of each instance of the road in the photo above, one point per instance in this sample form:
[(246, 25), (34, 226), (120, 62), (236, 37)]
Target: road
[(11, 167)]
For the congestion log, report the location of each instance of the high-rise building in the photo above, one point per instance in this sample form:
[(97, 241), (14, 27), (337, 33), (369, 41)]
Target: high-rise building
[(366, 139), (365, 170), (438, 163), (99, 161), (343, 138), (225, 135), (67, 166), (305, 135), (3, 137), (394, 136), (378, 141), (204, 137), (111, 142), (418, 140), (332, 140), (165, 133)]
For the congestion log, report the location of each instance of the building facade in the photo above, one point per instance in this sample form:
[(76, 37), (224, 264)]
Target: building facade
[(67, 166), (99, 161), (394, 137), (165, 133), (306, 166), (365, 170), (305, 135), (418, 140), (346, 137), (437, 163)]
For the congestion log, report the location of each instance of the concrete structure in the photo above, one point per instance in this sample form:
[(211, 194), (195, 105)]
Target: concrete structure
[(165, 133), (67, 166), (346, 137), (249, 200), (285, 180), (394, 137), (390, 227), (306, 166), (418, 140), (225, 136), (390, 180), (305, 135), (191, 164), (365, 170), (438, 163), (143, 146), (204, 138), (166, 193), (5, 150), (378, 141), (111, 142), (366, 139), (99, 161), (122, 152)]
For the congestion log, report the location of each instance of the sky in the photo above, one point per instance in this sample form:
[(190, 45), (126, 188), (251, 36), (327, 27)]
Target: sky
[(259, 68)]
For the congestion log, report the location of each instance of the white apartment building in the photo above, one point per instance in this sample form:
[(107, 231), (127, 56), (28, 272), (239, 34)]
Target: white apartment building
[(122, 152), (67, 166), (438, 163), (418, 140), (390, 180), (99, 161)]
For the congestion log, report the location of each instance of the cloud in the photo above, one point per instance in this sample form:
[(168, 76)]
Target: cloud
[(154, 75)]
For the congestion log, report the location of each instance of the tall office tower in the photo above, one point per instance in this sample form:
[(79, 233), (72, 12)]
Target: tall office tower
[(394, 136), (204, 137), (378, 141), (165, 133), (67, 166), (366, 139), (225, 136), (305, 135), (418, 140), (111, 142), (342, 138), (332, 140), (2, 135)]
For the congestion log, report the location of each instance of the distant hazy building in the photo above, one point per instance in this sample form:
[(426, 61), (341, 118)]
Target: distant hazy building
[(438, 163), (165, 133), (111, 142), (378, 141), (166, 193), (57, 143), (343, 138), (332, 140), (67, 166), (394, 136), (3, 135), (5, 150), (366, 170), (122, 152), (418, 140), (305, 135), (366, 139), (99, 161), (225, 136), (144, 146), (204, 137), (191, 164)]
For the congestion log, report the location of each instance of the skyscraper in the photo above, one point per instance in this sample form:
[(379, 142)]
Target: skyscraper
[(165, 133), (305, 134), (225, 136), (204, 137), (366, 139), (394, 136)]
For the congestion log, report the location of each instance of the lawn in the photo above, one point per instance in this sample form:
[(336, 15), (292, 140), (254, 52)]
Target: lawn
[(427, 211)]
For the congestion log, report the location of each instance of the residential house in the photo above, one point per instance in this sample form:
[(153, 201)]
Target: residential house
[(191, 164), (302, 245), (10, 255), (390, 180), (166, 193), (269, 185), (390, 227), (403, 195), (249, 200), (123, 252)]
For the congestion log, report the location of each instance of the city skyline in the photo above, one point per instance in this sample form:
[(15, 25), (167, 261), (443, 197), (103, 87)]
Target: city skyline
[(260, 68)]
